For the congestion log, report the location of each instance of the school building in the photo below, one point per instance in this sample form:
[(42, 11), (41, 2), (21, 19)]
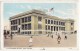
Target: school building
[(38, 22)]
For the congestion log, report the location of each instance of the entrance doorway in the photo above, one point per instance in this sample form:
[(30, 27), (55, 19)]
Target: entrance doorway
[(19, 30)]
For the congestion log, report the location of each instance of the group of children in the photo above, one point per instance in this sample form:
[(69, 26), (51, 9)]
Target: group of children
[(58, 39)]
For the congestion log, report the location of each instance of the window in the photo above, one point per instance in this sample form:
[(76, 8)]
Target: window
[(22, 20), (22, 32), (29, 18), (51, 28), (39, 18), (13, 27), (63, 28), (25, 32), (54, 22), (29, 26), (22, 27), (25, 26), (48, 27), (63, 23), (29, 32), (19, 21), (25, 19), (48, 21), (51, 21), (57, 22), (54, 28)]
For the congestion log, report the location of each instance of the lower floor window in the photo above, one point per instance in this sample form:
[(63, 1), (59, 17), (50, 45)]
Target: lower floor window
[(26, 32)]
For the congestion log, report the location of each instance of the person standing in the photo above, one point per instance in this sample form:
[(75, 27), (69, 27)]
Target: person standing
[(5, 34), (30, 41), (65, 37), (59, 39), (11, 35)]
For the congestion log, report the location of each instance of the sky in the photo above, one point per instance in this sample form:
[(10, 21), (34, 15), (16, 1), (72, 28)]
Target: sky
[(62, 10)]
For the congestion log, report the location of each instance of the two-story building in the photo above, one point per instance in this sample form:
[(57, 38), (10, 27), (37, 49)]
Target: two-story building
[(38, 22)]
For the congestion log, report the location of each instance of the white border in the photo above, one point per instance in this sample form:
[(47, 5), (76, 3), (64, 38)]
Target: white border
[(40, 1)]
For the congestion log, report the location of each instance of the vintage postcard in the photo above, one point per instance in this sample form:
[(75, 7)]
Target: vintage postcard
[(39, 25)]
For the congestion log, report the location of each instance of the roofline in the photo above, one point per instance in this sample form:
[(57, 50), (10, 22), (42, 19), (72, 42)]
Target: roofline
[(42, 12)]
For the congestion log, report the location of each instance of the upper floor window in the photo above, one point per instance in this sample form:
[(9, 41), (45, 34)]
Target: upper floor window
[(22, 27), (22, 20), (29, 18), (26, 19), (19, 21), (51, 28), (48, 21), (63, 23), (13, 22), (54, 22), (51, 21), (57, 22)]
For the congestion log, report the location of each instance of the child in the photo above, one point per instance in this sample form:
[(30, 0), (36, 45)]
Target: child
[(59, 39), (30, 41)]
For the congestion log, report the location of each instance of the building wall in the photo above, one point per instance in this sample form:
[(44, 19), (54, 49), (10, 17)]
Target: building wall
[(68, 26)]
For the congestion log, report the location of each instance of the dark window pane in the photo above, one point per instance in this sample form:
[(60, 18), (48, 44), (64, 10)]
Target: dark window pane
[(22, 27), (29, 18), (29, 26), (22, 20), (51, 28), (25, 26), (48, 27), (48, 21), (51, 21), (25, 19)]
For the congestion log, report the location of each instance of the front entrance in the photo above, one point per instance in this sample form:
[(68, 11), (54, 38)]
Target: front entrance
[(19, 30)]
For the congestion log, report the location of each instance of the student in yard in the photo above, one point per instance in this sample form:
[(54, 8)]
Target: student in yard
[(30, 41), (11, 35), (5, 34), (59, 39), (65, 37)]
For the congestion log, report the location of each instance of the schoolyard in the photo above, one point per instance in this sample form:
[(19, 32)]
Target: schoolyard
[(41, 41)]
